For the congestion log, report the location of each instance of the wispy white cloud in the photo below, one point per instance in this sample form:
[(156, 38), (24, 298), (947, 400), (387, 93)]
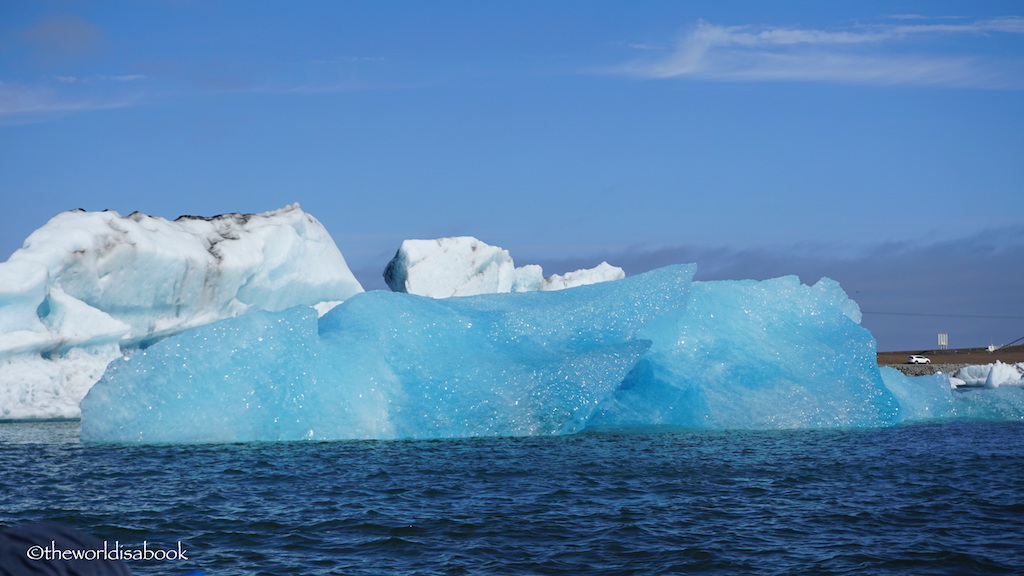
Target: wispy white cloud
[(101, 78), (905, 16), (123, 78), (878, 55), (347, 60), (41, 99), (41, 83), (26, 104)]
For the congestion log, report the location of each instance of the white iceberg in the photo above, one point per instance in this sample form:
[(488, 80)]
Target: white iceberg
[(603, 272), (990, 375), (465, 266), (89, 286)]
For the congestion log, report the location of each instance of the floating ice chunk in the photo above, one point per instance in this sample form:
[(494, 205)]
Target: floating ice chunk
[(446, 267), (991, 375), (161, 277), (389, 365), (973, 376), (99, 282), (1003, 375), (465, 266)]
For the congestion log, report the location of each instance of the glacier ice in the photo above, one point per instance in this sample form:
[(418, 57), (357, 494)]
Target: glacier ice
[(655, 349), (921, 398), (450, 267), (925, 398), (1005, 403), (88, 286), (218, 329), (603, 272), (388, 365), (991, 375), (748, 354), (465, 266)]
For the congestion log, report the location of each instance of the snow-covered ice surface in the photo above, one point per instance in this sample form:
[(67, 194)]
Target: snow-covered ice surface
[(88, 286), (465, 266)]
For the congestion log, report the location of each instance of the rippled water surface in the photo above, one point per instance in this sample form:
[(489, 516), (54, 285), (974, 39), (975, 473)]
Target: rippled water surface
[(925, 499)]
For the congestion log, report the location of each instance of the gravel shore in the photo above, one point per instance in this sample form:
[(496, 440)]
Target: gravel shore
[(926, 369), (949, 361)]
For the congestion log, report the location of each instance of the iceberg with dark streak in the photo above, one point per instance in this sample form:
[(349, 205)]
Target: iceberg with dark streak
[(465, 266), (90, 286)]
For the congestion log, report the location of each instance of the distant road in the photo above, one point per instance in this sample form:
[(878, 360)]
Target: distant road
[(1009, 355)]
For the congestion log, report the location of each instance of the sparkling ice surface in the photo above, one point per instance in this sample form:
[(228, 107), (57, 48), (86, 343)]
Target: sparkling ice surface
[(652, 350)]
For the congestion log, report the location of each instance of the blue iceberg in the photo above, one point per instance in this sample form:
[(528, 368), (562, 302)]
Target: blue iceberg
[(389, 365), (651, 350)]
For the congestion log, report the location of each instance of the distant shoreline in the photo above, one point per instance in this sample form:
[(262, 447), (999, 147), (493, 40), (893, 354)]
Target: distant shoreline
[(949, 360)]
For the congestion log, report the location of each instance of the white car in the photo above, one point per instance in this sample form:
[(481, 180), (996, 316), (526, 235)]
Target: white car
[(917, 359)]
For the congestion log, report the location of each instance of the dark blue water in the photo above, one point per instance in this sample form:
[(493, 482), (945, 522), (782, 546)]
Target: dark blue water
[(924, 499)]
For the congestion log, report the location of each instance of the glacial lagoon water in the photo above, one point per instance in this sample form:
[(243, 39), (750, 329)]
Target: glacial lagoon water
[(930, 498)]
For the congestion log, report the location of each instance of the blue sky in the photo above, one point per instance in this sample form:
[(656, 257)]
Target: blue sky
[(878, 143)]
